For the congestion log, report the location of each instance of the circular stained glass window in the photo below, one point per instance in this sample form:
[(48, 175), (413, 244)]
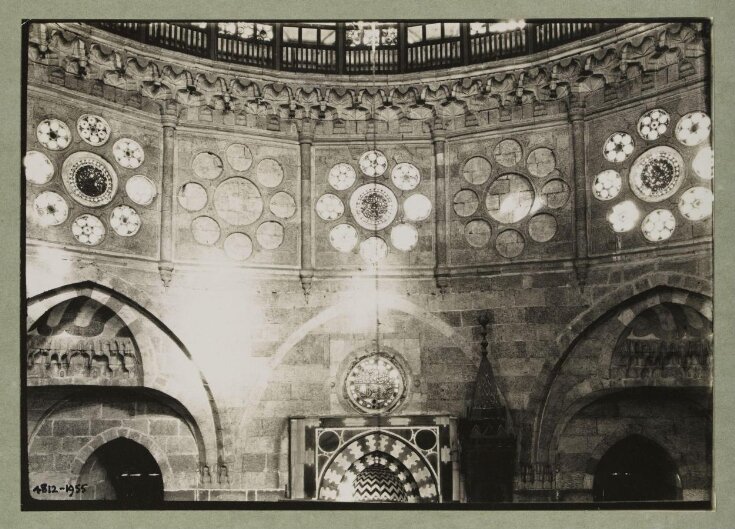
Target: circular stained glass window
[(693, 128), (88, 229), (269, 173), (477, 232), (329, 207), (238, 201), (373, 163), (192, 196), (128, 153), (374, 206), (658, 225), (283, 205), (417, 207), (509, 198), (238, 246), (53, 134), (93, 129), (141, 190), (375, 384), (623, 216), (653, 124), (405, 176), (510, 243), (696, 203), (373, 250), (404, 237), (50, 209), (477, 170), (541, 162), (542, 227), (205, 230), (704, 163), (508, 153), (657, 174), (89, 179), (125, 221), (239, 157), (343, 237), (465, 202), (342, 176), (607, 185), (38, 168), (618, 147), (269, 235), (207, 165)]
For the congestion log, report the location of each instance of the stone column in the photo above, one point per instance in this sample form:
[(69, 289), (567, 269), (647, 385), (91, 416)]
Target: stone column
[(439, 140), (297, 446), (306, 139), (579, 144), (169, 120)]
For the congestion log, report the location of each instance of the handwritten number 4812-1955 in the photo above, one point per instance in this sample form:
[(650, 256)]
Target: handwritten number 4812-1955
[(68, 488)]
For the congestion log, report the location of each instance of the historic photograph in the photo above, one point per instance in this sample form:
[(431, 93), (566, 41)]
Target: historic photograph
[(351, 263)]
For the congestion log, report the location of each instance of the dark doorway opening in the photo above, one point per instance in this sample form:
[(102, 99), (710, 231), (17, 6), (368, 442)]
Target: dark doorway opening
[(636, 469), (123, 471)]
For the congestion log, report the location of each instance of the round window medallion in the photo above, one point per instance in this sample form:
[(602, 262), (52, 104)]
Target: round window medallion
[(693, 128), (238, 201), (50, 209), (509, 198), (141, 190), (477, 232), (89, 179), (607, 185), (510, 243), (404, 237), (704, 163), (657, 174), (269, 235), (405, 176), (374, 206), (417, 207), (238, 246), (623, 216), (207, 165), (618, 147), (192, 196), (53, 134), (205, 230), (465, 202), (541, 162), (38, 168), (343, 238), (555, 193), (373, 250), (93, 129), (269, 173), (375, 384), (128, 153), (542, 227), (88, 230), (476, 170), (696, 203), (653, 124), (508, 153), (329, 207), (342, 176), (373, 163), (239, 157), (282, 205), (125, 221), (658, 225)]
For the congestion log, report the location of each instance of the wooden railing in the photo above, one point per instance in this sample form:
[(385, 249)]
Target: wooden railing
[(338, 58)]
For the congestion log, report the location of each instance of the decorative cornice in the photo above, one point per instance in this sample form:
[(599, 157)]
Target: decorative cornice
[(623, 62)]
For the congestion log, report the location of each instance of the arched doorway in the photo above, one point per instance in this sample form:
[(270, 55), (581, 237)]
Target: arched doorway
[(124, 471), (636, 469)]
